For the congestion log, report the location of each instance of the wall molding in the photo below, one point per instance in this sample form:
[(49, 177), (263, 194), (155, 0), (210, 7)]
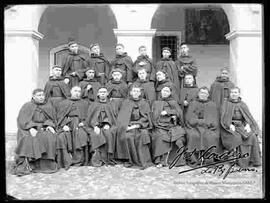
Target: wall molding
[(24, 33), (243, 33), (143, 33)]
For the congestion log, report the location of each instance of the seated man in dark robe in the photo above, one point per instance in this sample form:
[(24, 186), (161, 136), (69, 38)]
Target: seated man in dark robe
[(202, 127), (148, 88), (89, 86), (133, 140), (220, 89), (117, 89), (168, 122), (101, 126), (239, 130), (71, 127), (55, 89), (162, 81), (73, 64), (186, 64), (188, 92), (144, 62), (124, 62), (168, 65), (36, 137), (99, 62)]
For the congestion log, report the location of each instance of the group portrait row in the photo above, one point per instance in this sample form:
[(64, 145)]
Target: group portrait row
[(95, 112)]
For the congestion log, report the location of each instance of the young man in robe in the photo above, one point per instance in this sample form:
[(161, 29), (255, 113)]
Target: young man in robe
[(186, 64), (71, 126), (239, 130), (169, 66), (89, 86), (36, 137), (117, 89), (124, 62), (55, 89), (101, 126), (220, 89), (169, 128), (162, 81), (202, 127), (143, 61), (73, 64), (148, 88), (99, 62), (133, 140)]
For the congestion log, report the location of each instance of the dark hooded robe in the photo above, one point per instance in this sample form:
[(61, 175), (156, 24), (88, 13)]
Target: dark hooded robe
[(76, 141), (133, 146), (220, 90), (125, 63), (73, 62), (189, 67), (168, 65), (117, 93), (238, 114), (202, 126), (35, 154), (148, 90), (56, 91), (166, 83), (149, 67), (168, 130), (89, 95), (101, 66), (103, 144)]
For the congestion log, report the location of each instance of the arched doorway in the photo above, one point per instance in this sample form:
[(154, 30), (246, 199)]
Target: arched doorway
[(89, 24)]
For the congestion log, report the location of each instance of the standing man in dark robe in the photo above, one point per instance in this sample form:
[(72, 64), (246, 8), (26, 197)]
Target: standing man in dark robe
[(162, 81), (71, 125), (202, 126), (169, 66), (169, 128), (89, 86), (239, 130), (133, 139), (220, 89), (100, 63), (186, 64), (117, 89), (101, 126), (147, 86), (55, 89), (73, 64), (143, 61), (124, 62), (36, 137)]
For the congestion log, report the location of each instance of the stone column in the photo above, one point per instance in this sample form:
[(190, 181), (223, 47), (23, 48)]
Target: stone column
[(133, 39), (246, 63), (21, 72)]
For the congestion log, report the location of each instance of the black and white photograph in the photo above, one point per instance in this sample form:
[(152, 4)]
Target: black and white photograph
[(134, 101)]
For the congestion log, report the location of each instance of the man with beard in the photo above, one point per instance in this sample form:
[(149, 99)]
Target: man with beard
[(124, 62), (89, 86), (148, 88), (168, 65), (101, 126), (36, 137), (202, 127), (239, 129), (186, 64), (71, 127), (55, 89), (144, 62), (133, 140), (73, 64), (100, 63), (168, 122), (220, 89), (162, 81)]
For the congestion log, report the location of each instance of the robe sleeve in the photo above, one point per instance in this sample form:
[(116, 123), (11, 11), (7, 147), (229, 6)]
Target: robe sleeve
[(129, 64), (47, 90), (191, 117)]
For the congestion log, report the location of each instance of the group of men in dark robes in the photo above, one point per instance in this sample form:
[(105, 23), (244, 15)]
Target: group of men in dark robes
[(93, 112)]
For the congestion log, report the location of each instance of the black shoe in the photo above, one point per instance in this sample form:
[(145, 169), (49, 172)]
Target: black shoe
[(127, 164)]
